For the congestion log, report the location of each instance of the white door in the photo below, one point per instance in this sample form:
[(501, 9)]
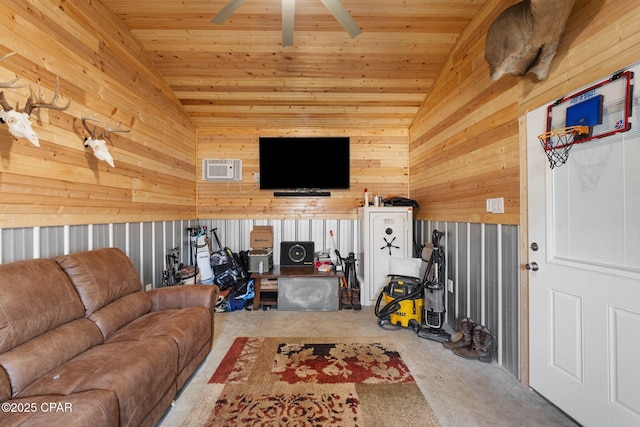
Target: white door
[(584, 282)]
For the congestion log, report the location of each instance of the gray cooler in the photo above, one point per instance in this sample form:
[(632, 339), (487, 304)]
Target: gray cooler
[(308, 293)]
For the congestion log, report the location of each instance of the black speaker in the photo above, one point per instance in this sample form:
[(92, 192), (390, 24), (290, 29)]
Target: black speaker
[(294, 254)]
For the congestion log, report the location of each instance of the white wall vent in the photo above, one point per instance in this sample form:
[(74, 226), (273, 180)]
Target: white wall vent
[(222, 169)]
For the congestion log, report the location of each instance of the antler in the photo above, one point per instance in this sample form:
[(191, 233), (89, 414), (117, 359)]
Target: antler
[(99, 145), (113, 130), (85, 119), (3, 102), (11, 84), (105, 132), (6, 56), (30, 105)]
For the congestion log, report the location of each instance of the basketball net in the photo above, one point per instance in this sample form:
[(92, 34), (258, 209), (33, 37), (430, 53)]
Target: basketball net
[(557, 143)]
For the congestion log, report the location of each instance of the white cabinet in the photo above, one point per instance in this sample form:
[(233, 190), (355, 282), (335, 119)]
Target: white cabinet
[(385, 232)]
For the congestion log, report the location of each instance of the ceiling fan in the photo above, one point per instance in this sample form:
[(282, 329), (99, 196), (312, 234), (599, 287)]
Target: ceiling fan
[(288, 15)]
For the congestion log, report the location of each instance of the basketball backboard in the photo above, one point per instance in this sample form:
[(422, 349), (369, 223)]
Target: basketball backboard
[(605, 107)]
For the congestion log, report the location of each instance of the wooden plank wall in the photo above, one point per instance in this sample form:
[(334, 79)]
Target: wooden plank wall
[(468, 142), (465, 140), (379, 163), (462, 148), (101, 69)]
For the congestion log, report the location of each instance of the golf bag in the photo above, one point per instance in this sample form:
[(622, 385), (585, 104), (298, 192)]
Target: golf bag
[(228, 270), (200, 241), (171, 274), (177, 273)]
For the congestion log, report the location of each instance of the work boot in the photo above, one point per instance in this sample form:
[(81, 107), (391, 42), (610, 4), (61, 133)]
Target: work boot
[(466, 328), (355, 299), (481, 341), (344, 298), (486, 341)]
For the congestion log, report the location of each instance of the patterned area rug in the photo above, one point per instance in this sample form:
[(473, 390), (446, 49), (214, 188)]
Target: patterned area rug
[(311, 382)]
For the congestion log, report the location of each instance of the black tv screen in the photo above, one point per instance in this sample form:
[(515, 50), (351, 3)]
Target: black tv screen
[(304, 163)]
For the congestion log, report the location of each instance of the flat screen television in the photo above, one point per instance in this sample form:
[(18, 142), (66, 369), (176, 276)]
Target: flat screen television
[(304, 165)]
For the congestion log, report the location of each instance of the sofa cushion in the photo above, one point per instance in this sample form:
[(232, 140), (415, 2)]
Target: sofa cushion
[(139, 372), (184, 296), (5, 385), (189, 328), (119, 313), (89, 408), (34, 287), (33, 359), (100, 276)]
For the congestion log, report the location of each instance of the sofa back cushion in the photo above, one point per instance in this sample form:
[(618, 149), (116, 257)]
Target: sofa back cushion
[(40, 355), (108, 285), (35, 296), (121, 312), (100, 276)]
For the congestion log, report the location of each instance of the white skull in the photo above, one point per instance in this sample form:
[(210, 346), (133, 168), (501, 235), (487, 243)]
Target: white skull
[(100, 150), (19, 125)]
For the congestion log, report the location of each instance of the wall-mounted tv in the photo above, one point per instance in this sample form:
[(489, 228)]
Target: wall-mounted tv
[(304, 165)]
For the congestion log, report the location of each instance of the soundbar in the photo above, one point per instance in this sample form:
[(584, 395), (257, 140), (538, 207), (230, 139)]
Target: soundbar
[(302, 193)]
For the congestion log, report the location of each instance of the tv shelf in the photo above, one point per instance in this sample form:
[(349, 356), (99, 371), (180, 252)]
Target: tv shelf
[(302, 193), (266, 284)]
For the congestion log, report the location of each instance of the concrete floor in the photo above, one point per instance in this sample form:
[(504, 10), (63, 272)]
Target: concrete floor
[(461, 392)]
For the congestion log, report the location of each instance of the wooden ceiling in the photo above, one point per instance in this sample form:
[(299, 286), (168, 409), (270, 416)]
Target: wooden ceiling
[(238, 75)]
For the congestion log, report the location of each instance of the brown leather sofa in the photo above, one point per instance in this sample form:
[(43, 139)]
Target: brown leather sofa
[(81, 344)]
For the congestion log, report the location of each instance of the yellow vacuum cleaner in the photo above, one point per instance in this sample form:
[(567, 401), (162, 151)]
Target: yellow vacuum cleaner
[(403, 300)]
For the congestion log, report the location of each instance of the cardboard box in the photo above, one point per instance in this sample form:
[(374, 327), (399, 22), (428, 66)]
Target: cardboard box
[(260, 255), (261, 237)]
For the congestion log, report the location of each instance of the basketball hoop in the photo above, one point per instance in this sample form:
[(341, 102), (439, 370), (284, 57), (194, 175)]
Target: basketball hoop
[(557, 143)]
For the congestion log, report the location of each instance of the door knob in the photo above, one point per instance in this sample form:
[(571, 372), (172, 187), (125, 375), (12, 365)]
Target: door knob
[(533, 266)]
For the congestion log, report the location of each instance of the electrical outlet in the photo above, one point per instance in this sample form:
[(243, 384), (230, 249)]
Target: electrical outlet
[(450, 285), (148, 287), (496, 205), (256, 177)]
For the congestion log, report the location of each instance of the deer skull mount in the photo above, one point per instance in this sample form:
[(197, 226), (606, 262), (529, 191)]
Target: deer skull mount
[(524, 38), (98, 144), (19, 122), (13, 119)]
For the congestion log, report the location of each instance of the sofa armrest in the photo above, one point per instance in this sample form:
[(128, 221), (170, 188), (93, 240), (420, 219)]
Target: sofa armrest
[(175, 297)]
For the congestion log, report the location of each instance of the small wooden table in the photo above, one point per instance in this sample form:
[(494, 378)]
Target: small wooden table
[(266, 287)]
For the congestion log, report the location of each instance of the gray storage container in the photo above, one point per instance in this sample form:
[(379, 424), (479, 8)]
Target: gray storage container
[(308, 293), (256, 256)]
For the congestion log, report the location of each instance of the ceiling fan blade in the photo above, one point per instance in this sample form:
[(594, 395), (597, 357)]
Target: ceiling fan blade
[(226, 11), (343, 17), (288, 16)]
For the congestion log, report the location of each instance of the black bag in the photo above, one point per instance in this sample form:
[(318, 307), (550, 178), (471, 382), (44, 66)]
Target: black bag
[(236, 299), (228, 271), (399, 201)]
